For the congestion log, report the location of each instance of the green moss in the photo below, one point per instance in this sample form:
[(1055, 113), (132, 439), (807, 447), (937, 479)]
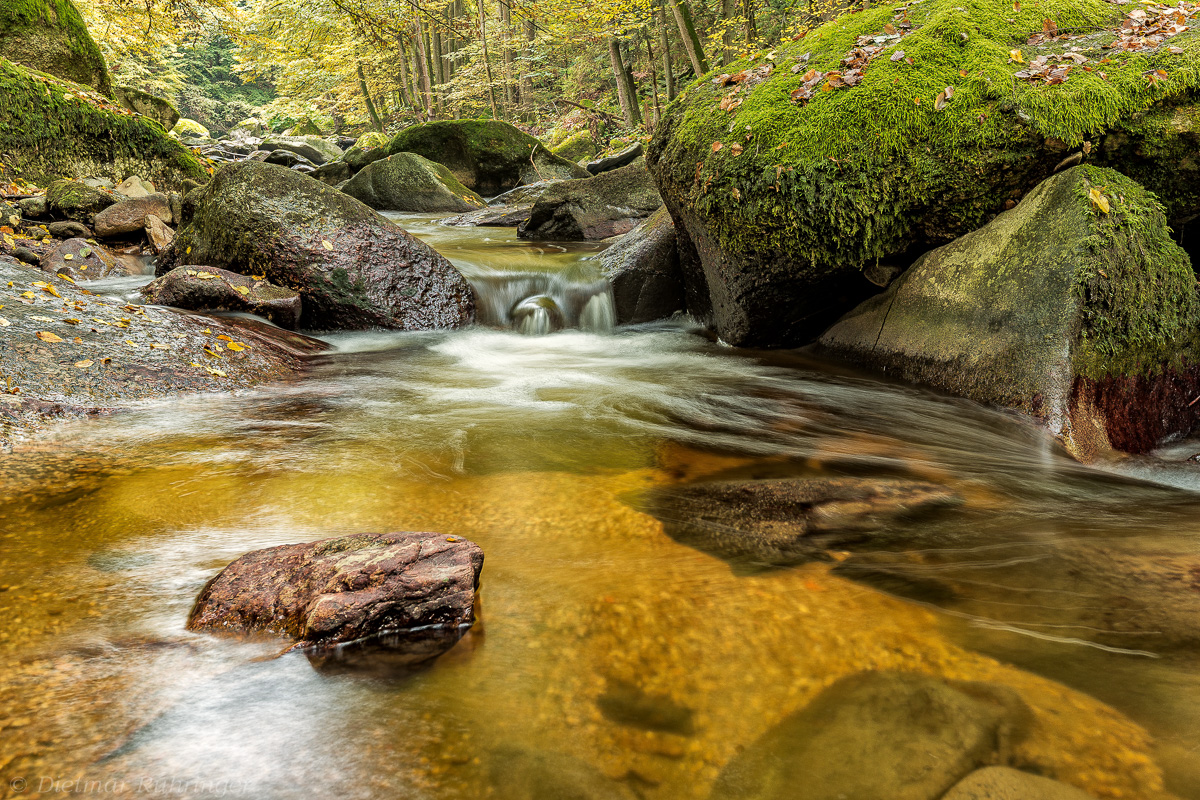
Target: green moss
[(576, 147), (50, 128), (50, 35), (1140, 308)]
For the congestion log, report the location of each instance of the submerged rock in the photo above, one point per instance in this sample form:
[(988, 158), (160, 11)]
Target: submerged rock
[(51, 36), (900, 736), (529, 775), (643, 268), (344, 589), (593, 208), (354, 268), (788, 192), (1083, 317), (408, 182), (1004, 783), (486, 156), (199, 288)]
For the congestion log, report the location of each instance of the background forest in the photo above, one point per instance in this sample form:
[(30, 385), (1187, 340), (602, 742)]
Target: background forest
[(347, 66)]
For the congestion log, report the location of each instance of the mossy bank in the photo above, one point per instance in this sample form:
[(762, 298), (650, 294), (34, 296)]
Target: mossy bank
[(50, 36)]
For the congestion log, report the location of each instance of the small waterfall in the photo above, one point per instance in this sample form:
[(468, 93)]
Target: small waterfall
[(538, 303)]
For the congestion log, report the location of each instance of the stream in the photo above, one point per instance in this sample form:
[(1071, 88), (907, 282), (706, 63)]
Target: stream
[(538, 434)]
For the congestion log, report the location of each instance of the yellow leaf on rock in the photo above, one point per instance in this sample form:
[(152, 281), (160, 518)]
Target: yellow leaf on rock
[(131, 344), (328, 245), (87, 362), (236, 347), (47, 336), (1098, 199), (224, 338), (242, 289)]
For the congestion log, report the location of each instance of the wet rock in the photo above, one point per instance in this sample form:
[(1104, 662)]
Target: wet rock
[(593, 208), (354, 268), (486, 156), (1080, 318), (491, 217), (81, 261), (76, 200), (643, 268), (69, 229), (210, 289), (1004, 783), (627, 704), (158, 234), (616, 161), (789, 520), (900, 736), (286, 158), (529, 775), (344, 589), (24, 254), (333, 173), (525, 195), (313, 149), (130, 215), (408, 182), (369, 147)]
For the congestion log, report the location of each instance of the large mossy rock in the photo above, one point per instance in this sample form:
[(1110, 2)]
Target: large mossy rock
[(50, 36), (408, 182), (51, 129), (156, 108), (596, 207), (487, 156), (353, 268), (1085, 319), (785, 202), (576, 147)]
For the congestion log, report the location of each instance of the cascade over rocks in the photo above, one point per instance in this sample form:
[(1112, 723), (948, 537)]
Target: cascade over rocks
[(643, 268), (354, 268), (50, 36), (345, 588), (598, 207), (1084, 319), (210, 289), (408, 182), (785, 202), (486, 156)]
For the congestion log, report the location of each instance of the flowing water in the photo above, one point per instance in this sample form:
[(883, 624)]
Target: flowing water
[(607, 655)]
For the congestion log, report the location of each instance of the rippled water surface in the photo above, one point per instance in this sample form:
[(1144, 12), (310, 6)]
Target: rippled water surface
[(595, 625)]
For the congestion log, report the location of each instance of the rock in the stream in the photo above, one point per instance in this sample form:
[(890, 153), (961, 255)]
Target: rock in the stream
[(158, 234), (486, 156), (69, 229), (606, 205), (789, 520), (1075, 307), (575, 147), (130, 215), (408, 182), (76, 200), (313, 149), (616, 161), (490, 217), (643, 268), (876, 735), (35, 207), (334, 173), (1005, 783), (81, 261), (346, 588), (188, 128), (531, 775), (200, 288), (354, 268), (134, 186)]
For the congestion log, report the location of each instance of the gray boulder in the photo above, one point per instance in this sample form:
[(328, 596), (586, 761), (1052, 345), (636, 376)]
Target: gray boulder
[(643, 268), (314, 148), (81, 261), (408, 182), (616, 161), (606, 205), (76, 200), (156, 108)]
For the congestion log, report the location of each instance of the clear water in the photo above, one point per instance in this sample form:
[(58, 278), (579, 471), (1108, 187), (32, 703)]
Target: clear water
[(541, 448)]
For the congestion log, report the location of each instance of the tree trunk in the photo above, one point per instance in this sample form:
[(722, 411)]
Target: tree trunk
[(664, 44), (526, 80), (687, 30), (362, 83), (486, 60), (404, 84), (625, 95), (653, 76), (751, 24), (728, 10), (510, 90), (439, 66)]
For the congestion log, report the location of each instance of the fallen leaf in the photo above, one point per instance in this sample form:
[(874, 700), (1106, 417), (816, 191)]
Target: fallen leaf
[(224, 338), (736, 149), (716, 146), (131, 344), (1098, 199), (328, 245), (87, 362), (238, 347), (1015, 55), (46, 336)]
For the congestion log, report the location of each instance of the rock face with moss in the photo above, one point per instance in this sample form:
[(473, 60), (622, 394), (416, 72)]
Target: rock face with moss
[(1085, 319), (408, 182), (353, 268), (50, 36), (51, 129), (156, 108), (598, 207), (576, 147), (486, 156), (887, 132)]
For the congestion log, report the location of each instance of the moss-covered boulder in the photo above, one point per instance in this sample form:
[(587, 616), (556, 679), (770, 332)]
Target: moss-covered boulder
[(643, 268), (156, 108), (50, 129), (485, 155), (407, 182), (576, 147), (598, 207), (354, 268), (50, 36), (77, 201), (1075, 307), (890, 131), (189, 129)]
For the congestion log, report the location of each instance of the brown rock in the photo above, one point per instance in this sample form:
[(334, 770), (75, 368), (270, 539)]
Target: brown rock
[(79, 260), (345, 588), (1005, 783), (158, 233), (212, 289), (130, 215)]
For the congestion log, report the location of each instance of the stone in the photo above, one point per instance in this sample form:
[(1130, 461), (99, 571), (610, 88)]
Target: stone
[(408, 182), (617, 160), (81, 261), (491, 217), (344, 589), (1004, 783), (487, 156), (69, 229), (332, 174), (785, 521), (576, 147), (34, 207), (199, 288), (134, 186), (643, 268), (76, 200), (50, 130), (286, 158), (1082, 319), (541, 775), (593, 208), (156, 108), (314, 149), (785, 215), (354, 268), (50, 36), (158, 234), (130, 214), (900, 736), (189, 129)]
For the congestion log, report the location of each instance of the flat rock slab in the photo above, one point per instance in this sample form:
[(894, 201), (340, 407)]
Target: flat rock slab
[(345, 589), (210, 289), (1003, 783)]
